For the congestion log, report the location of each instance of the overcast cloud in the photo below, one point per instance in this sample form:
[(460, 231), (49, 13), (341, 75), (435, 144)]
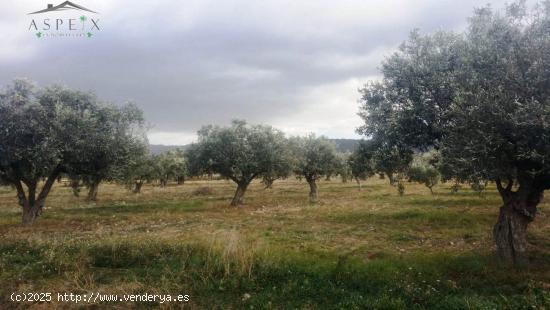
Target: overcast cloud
[(296, 65)]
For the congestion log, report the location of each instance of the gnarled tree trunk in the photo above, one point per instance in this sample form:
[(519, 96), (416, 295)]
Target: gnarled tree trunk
[(390, 177), (31, 212), (137, 187), (32, 203), (312, 189), (75, 185), (358, 183), (510, 231), (93, 188), (239, 194), (268, 182)]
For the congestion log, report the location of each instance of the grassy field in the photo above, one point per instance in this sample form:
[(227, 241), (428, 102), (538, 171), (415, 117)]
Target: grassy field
[(354, 250)]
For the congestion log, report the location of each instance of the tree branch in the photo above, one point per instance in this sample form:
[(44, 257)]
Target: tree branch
[(254, 175), (20, 193), (31, 187), (510, 185), (505, 191), (233, 178), (49, 183)]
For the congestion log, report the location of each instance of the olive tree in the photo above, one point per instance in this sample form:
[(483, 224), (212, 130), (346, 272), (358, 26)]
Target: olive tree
[(389, 158), (281, 170), (482, 98), (424, 169), (344, 169), (138, 171), (361, 163), (315, 157), (170, 165), (118, 140), (240, 152), (387, 147), (46, 132), (179, 166)]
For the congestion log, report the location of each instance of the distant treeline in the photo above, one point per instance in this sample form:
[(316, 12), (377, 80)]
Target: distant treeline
[(342, 145)]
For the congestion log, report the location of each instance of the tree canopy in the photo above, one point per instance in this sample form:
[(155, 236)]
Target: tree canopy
[(54, 130), (361, 162), (170, 165), (112, 146), (424, 169), (139, 170), (314, 157), (240, 152), (482, 99)]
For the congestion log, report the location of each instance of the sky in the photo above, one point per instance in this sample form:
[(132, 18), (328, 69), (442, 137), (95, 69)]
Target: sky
[(295, 65)]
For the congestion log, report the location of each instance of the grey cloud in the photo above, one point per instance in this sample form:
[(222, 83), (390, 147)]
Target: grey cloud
[(186, 70)]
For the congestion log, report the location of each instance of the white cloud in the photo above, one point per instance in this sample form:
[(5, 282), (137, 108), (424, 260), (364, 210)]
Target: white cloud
[(329, 110), (171, 138)]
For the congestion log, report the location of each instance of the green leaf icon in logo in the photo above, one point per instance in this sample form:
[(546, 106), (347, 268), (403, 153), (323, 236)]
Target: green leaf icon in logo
[(39, 34), (83, 20), (89, 34)]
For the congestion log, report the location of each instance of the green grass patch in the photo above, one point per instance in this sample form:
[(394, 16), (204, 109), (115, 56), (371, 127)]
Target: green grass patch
[(219, 275)]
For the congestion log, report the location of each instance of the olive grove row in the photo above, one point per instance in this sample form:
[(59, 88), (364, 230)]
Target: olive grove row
[(57, 132)]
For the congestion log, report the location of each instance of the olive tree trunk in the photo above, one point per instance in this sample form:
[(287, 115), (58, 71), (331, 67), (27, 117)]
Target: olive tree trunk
[(358, 183), (239, 194), (510, 231), (31, 203), (312, 189), (75, 186), (92, 190), (268, 182), (137, 187), (31, 212), (390, 177)]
